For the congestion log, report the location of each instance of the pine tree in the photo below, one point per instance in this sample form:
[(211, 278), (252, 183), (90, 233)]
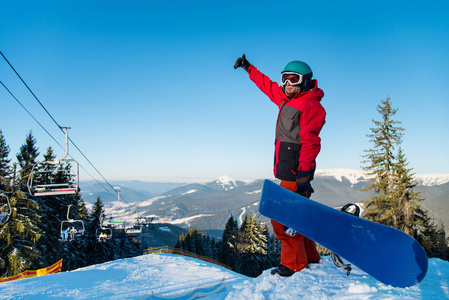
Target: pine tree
[(82, 211), (215, 249), (409, 200), (252, 245), (273, 250), (190, 241), (27, 158), (5, 187), (181, 241), (395, 203), (20, 234), (198, 239), (96, 252), (254, 239), (379, 166), (228, 250), (5, 168), (51, 211)]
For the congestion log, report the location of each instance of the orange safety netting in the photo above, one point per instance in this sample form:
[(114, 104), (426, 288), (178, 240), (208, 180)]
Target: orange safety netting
[(29, 273), (166, 249)]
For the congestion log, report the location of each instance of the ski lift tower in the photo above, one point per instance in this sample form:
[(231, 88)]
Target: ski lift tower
[(117, 189), (114, 221)]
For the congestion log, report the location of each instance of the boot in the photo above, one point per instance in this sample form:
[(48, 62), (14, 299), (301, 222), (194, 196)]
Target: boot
[(282, 271)]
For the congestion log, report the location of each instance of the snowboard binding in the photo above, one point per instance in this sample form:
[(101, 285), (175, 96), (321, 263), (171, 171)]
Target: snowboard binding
[(335, 258)]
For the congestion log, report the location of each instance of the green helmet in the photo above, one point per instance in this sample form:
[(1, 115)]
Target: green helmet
[(302, 68), (298, 66)]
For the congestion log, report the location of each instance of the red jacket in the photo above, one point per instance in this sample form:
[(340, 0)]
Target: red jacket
[(298, 126)]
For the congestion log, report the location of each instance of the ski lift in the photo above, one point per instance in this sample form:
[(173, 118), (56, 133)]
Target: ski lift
[(135, 230), (103, 233), (59, 167), (114, 221), (145, 221), (4, 216), (70, 228)]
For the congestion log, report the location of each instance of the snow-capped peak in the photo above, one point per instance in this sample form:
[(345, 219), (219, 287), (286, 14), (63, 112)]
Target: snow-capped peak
[(354, 176), (223, 182), (432, 179)]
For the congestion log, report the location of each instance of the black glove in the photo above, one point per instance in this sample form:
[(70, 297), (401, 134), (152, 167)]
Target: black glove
[(242, 62), (304, 188)]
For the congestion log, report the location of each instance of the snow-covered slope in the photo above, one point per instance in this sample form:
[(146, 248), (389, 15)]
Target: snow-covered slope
[(172, 275)]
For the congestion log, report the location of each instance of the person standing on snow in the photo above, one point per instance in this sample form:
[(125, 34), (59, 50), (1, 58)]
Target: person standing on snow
[(301, 117)]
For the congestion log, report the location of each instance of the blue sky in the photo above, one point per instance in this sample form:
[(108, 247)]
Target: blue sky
[(149, 90)]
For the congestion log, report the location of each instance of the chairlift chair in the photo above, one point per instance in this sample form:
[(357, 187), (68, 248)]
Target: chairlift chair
[(76, 225), (44, 170), (112, 223), (103, 233), (51, 188), (135, 230), (145, 221), (4, 216), (100, 232)]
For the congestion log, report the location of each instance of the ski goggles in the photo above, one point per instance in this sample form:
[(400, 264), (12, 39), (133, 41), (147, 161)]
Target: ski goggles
[(292, 77)]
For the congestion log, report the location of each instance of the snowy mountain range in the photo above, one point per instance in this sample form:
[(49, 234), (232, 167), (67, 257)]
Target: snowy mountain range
[(356, 176), (136, 190), (208, 206)]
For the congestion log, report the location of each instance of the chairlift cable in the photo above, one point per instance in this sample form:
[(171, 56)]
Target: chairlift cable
[(30, 90), (55, 123), (12, 95), (31, 115)]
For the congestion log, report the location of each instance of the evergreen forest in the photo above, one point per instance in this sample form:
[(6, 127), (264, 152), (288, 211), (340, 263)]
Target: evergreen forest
[(31, 226), (248, 249)]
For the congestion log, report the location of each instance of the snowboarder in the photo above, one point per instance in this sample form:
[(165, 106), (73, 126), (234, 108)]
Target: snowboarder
[(297, 144)]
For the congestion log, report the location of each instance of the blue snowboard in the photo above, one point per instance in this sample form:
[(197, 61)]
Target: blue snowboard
[(387, 254)]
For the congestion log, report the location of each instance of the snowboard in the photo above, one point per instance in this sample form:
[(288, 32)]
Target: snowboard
[(387, 254)]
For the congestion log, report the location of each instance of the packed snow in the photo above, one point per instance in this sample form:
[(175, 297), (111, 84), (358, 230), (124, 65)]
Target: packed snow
[(150, 201), (255, 192), (189, 192), (186, 220), (174, 275)]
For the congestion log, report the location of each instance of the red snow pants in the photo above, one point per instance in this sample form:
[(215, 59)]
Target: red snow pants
[(296, 251)]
